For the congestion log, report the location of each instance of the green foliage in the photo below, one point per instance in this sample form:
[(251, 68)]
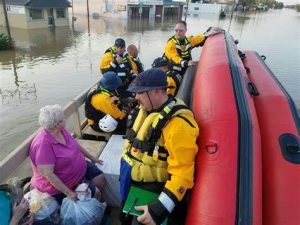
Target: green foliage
[(4, 42), (298, 7), (269, 3), (278, 5), (247, 2)]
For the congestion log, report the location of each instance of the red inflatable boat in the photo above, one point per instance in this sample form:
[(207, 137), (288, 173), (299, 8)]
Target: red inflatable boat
[(248, 164), (227, 188), (279, 127)]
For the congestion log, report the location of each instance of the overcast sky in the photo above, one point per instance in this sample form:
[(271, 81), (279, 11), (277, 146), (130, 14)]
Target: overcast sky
[(290, 2)]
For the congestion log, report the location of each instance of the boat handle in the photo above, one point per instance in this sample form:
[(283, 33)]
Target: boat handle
[(263, 57), (294, 149), (247, 69), (211, 148), (252, 89), (290, 147)]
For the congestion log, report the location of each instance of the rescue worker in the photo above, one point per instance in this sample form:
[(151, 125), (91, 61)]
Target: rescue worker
[(160, 150), (173, 78), (137, 65), (179, 47), (116, 59), (102, 106)]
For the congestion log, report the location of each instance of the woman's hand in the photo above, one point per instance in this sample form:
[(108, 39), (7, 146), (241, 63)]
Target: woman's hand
[(90, 156), (72, 195), (97, 161)]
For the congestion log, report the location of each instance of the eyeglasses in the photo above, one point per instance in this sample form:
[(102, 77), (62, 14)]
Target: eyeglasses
[(178, 30)]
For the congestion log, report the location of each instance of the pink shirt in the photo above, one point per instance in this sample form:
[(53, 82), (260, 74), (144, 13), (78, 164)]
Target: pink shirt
[(68, 160)]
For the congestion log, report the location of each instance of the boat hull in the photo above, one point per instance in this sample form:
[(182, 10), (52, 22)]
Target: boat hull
[(279, 125), (227, 187)]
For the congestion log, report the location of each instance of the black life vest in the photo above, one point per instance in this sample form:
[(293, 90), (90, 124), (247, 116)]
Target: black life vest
[(138, 63), (90, 112), (176, 77), (124, 70)]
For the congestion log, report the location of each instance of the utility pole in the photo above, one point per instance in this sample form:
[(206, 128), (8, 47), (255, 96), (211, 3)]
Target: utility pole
[(88, 8), (186, 11), (7, 23)]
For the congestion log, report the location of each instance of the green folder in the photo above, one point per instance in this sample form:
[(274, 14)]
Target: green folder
[(138, 197)]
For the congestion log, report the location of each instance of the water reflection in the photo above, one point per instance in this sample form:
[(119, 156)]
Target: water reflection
[(48, 44), (32, 46), (120, 27), (21, 94)]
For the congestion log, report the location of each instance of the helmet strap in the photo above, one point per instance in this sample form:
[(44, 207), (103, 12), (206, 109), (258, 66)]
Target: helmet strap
[(150, 100)]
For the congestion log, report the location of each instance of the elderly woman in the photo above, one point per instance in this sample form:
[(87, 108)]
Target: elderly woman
[(58, 160)]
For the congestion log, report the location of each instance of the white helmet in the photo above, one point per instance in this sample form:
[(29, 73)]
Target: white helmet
[(108, 123)]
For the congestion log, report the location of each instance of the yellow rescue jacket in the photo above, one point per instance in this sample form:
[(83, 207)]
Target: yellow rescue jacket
[(174, 80), (99, 103), (161, 147), (108, 63), (178, 52), (137, 65)]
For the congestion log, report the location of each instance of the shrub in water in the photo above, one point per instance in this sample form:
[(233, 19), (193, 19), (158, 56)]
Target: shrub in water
[(4, 42)]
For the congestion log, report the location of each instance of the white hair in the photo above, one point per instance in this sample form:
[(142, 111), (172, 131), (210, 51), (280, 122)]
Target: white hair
[(51, 115)]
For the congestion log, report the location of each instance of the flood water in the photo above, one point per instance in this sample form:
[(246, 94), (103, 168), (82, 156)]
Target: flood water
[(53, 66)]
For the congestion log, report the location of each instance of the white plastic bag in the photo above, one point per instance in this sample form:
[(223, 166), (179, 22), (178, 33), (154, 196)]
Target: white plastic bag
[(82, 212), (41, 204), (83, 192)]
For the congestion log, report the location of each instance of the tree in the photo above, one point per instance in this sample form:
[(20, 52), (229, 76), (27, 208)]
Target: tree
[(4, 42)]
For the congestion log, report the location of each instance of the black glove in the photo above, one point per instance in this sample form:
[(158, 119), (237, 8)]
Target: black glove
[(129, 102)]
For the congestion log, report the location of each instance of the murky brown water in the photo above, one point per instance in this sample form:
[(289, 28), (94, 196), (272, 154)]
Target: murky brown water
[(52, 66)]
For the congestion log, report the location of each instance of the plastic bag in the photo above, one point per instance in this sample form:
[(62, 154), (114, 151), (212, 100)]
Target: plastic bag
[(82, 212), (83, 192), (42, 205)]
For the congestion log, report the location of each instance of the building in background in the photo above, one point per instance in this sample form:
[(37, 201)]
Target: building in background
[(149, 9), (29, 14)]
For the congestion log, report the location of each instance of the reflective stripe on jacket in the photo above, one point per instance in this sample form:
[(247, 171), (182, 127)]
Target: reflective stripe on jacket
[(109, 63), (177, 51)]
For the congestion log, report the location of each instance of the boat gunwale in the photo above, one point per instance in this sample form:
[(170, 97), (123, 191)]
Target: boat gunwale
[(244, 200), (15, 158)]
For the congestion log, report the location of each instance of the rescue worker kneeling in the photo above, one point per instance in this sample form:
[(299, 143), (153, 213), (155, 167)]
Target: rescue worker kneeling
[(173, 78), (160, 150), (102, 106)]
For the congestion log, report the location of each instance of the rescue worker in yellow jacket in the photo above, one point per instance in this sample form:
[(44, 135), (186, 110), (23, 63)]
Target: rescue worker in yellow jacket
[(173, 78), (179, 47), (102, 106), (160, 150), (137, 65), (116, 59)]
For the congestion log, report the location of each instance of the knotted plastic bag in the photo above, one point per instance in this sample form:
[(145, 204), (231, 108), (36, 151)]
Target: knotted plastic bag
[(83, 192), (42, 205), (82, 212)]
